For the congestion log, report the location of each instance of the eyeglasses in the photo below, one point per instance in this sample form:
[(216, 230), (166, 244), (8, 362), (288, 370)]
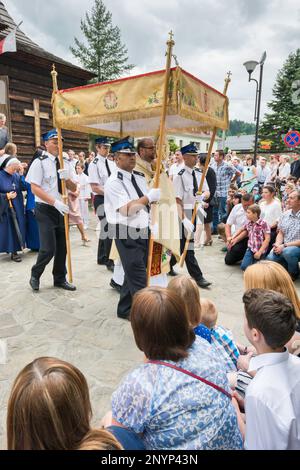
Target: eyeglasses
[(148, 148)]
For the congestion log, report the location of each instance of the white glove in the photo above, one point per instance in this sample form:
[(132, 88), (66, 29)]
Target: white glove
[(153, 195), (154, 230), (199, 198), (63, 174), (188, 225), (61, 207)]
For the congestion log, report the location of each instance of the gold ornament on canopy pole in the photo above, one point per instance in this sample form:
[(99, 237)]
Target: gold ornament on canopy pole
[(204, 173), (63, 183), (162, 133)]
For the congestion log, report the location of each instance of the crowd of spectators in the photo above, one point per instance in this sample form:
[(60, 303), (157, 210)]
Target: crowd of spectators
[(197, 388)]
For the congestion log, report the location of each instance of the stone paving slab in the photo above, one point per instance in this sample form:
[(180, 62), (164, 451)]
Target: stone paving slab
[(82, 327)]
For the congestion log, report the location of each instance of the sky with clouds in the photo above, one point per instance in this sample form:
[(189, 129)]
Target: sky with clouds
[(212, 36)]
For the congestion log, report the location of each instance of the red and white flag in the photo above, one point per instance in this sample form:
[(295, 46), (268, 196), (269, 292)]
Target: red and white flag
[(9, 44)]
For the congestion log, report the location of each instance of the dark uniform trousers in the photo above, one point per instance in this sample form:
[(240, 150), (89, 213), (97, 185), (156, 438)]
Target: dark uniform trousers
[(237, 252), (52, 242), (190, 260), (133, 251), (104, 244)]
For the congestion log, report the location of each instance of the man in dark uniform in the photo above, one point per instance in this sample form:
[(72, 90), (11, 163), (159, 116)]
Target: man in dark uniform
[(186, 185), (45, 178), (99, 172), (127, 203)]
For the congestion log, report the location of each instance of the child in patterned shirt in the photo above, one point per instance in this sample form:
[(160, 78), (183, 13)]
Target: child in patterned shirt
[(259, 236)]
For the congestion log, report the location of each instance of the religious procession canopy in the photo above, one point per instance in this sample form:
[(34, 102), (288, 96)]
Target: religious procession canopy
[(133, 106)]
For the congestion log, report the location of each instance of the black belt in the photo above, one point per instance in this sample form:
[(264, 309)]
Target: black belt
[(44, 206)]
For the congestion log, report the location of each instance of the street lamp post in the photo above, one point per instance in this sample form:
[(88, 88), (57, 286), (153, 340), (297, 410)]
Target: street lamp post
[(250, 67)]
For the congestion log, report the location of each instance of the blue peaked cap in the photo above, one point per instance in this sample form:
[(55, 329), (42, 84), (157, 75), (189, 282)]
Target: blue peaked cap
[(50, 135), (102, 141), (123, 145), (191, 148)]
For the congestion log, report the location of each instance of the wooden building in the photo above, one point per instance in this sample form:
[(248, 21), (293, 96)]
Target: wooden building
[(26, 89)]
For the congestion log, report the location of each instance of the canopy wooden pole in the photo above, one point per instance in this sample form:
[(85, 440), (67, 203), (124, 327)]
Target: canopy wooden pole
[(64, 188), (162, 132), (188, 238)]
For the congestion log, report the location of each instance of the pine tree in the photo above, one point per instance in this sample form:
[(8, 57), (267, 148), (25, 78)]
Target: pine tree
[(103, 53), (285, 107)]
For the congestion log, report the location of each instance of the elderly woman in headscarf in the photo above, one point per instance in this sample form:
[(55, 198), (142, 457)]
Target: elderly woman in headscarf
[(11, 188)]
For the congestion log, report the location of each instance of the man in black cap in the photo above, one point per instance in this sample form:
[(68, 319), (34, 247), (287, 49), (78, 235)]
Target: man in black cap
[(45, 178), (99, 171), (127, 203), (186, 185)]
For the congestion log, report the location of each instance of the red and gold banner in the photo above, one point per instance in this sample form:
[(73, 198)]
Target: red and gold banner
[(133, 106)]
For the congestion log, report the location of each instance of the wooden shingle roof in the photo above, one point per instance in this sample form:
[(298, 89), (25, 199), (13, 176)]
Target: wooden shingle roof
[(26, 45)]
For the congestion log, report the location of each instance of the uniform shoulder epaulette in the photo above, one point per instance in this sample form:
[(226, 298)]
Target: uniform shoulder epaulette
[(120, 176), (181, 172), (95, 161), (43, 157), (139, 173), (197, 169)]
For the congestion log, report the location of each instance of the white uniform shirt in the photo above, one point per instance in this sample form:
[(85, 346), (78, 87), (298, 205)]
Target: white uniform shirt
[(184, 186), (119, 191), (98, 173), (273, 403), (237, 217), (43, 173), (85, 188), (175, 169), (271, 213)]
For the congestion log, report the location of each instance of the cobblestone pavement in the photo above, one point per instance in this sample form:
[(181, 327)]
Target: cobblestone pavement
[(82, 327)]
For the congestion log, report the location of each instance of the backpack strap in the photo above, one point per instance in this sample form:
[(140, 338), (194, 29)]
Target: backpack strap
[(179, 369)]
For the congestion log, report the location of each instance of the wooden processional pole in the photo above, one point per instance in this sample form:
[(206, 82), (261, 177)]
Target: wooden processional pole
[(162, 132), (204, 173), (63, 183)]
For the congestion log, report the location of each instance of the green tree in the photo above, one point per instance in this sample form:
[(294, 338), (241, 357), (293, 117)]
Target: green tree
[(102, 52), (172, 145), (241, 128), (285, 106), (237, 127)]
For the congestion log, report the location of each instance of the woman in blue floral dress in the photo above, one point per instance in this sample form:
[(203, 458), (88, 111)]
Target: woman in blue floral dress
[(166, 407)]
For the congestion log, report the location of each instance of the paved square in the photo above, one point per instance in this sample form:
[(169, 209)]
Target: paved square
[(82, 327)]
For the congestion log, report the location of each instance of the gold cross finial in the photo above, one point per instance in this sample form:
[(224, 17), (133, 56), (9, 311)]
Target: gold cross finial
[(171, 34), (229, 75)]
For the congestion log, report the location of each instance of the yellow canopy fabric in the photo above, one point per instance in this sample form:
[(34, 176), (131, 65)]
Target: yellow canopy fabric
[(133, 106)]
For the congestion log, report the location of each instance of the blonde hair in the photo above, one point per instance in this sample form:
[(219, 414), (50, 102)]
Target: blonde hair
[(188, 290), (290, 185), (49, 409), (10, 149), (209, 313), (272, 276)]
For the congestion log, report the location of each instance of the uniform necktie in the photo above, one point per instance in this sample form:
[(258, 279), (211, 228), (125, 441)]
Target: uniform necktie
[(195, 183), (136, 187), (107, 167), (59, 185)]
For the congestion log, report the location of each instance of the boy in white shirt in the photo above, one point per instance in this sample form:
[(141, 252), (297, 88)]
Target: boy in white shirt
[(272, 402)]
